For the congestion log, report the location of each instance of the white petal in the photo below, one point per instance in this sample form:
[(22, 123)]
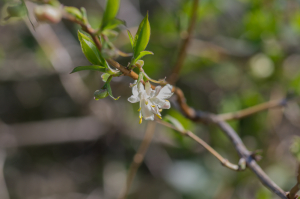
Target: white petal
[(165, 92), (146, 110), (135, 91), (157, 89), (148, 88), (133, 99), (141, 87), (152, 93), (164, 104), (155, 110)]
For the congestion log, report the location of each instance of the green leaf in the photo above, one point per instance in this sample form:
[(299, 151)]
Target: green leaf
[(105, 76), (95, 68), (113, 24), (89, 49), (73, 11), (130, 38), (142, 54), (112, 8), (110, 91), (175, 122), (100, 94), (142, 37)]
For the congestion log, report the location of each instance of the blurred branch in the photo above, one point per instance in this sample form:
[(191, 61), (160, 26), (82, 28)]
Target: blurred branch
[(139, 157), (255, 109), (252, 110), (3, 188), (250, 158), (223, 161), (59, 58), (182, 52), (296, 188)]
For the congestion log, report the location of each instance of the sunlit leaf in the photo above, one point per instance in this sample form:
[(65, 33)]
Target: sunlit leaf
[(142, 37), (89, 49), (113, 24), (92, 67), (142, 54), (112, 8), (130, 38)]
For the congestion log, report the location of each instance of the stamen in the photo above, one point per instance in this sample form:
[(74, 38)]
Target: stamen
[(158, 116), (141, 120), (140, 109), (146, 102), (153, 106), (167, 100), (160, 110)]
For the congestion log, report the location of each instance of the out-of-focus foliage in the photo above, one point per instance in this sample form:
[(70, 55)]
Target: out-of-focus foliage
[(243, 53)]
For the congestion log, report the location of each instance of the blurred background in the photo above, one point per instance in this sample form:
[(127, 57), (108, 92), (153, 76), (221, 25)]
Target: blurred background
[(57, 142)]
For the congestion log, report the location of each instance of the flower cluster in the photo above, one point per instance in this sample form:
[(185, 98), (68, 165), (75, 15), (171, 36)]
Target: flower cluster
[(151, 101)]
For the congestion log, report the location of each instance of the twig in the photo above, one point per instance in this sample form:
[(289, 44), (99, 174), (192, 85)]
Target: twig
[(223, 161), (182, 52), (139, 157), (250, 161), (253, 110), (296, 188)]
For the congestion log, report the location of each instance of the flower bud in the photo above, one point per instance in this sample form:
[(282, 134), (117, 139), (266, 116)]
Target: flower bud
[(47, 13), (100, 94), (139, 63)]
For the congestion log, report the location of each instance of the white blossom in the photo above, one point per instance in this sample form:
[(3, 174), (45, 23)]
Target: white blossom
[(151, 101)]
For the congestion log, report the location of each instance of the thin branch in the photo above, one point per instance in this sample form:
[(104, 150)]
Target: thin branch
[(250, 160), (139, 157), (252, 110), (255, 109), (223, 161), (182, 52), (296, 188)]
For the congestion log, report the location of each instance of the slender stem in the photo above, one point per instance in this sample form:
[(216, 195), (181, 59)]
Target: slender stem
[(252, 110), (139, 157), (182, 52), (250, 161), (255, 109), (296, 188), (223, 161)]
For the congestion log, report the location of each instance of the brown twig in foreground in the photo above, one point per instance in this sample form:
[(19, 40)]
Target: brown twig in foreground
[(296, 188), (139, 157), (223, 161), (182, 52)]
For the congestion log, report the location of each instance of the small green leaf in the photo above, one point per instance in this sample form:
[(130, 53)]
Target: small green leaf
[(130, 38), (92, 67), (110, 33), (113, 24), (105, 76), (142, 54), (142, 37), (175, 122), (112, 8), (89, 49), (73, 11), (110, 91), (100, 94)]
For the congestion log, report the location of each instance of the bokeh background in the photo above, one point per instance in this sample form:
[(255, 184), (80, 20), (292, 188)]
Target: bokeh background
[(57, 142)]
